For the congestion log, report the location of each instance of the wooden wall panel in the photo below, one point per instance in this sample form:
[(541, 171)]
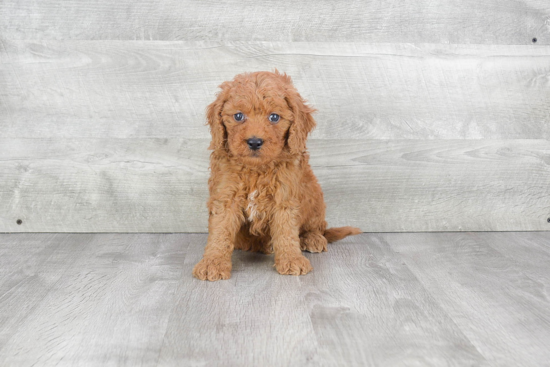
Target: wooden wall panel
[(433, 115), (362, 91), (439, 21), (160, 185)]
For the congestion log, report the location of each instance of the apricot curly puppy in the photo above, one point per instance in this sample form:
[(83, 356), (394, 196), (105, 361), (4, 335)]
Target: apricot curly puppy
[(263, 194)]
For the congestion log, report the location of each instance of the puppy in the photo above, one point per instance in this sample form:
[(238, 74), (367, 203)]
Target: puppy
[(264, 196)]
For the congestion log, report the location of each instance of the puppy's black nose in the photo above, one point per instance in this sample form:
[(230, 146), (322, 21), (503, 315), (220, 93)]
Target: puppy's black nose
[(255, 143)]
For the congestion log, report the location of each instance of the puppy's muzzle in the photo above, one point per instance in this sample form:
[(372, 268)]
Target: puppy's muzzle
[(254, 143)]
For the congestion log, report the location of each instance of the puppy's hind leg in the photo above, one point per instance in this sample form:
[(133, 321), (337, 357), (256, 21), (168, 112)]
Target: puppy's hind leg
[(313, 241), (313, 224)]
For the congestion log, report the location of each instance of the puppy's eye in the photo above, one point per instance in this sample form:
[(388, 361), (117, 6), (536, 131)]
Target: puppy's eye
[(239, 117), (274, 118)]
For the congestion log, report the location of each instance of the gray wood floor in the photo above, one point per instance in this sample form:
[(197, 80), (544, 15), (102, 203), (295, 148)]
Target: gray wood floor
[(376, 299)]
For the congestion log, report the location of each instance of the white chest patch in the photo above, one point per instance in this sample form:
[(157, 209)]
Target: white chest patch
[(252, 206)]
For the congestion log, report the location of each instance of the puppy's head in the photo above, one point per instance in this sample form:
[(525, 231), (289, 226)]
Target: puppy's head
[(259, 117)]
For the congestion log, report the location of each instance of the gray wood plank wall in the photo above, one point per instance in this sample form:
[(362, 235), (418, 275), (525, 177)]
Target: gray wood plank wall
[(431, 117), (434, 21)]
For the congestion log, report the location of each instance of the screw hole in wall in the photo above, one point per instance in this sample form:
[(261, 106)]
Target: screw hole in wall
[(534, 40), (548, 220), (19, 222)]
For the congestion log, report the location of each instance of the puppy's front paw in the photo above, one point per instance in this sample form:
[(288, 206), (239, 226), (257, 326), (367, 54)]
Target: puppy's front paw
[(298, 265), (212, 269)]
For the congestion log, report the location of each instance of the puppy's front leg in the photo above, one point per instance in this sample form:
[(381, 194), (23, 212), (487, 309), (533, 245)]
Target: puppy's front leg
[(216, 261), (286, 243)]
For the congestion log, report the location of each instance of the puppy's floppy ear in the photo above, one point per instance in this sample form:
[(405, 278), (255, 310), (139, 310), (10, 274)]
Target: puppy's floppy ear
[(214, 119), (302, 125)]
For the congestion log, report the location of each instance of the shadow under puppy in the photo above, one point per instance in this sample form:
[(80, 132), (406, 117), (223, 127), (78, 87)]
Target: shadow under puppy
[(263, 194)]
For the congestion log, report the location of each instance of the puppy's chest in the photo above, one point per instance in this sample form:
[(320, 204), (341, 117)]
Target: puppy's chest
[(258, 203)]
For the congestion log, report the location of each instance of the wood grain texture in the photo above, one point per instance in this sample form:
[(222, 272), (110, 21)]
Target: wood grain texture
[(109, 308), (30, 267), (104, 185), (360, 306), (529, 250), (429, 299), (256, 318), (501, 304), (159, 185), (362, 91), (368, 309), (440, 21)]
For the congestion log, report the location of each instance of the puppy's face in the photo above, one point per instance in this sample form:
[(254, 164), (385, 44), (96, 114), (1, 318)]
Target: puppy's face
[(257, 119), (261, 117)]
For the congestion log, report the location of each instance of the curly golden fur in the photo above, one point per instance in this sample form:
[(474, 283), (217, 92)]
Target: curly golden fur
[(265, 198)]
